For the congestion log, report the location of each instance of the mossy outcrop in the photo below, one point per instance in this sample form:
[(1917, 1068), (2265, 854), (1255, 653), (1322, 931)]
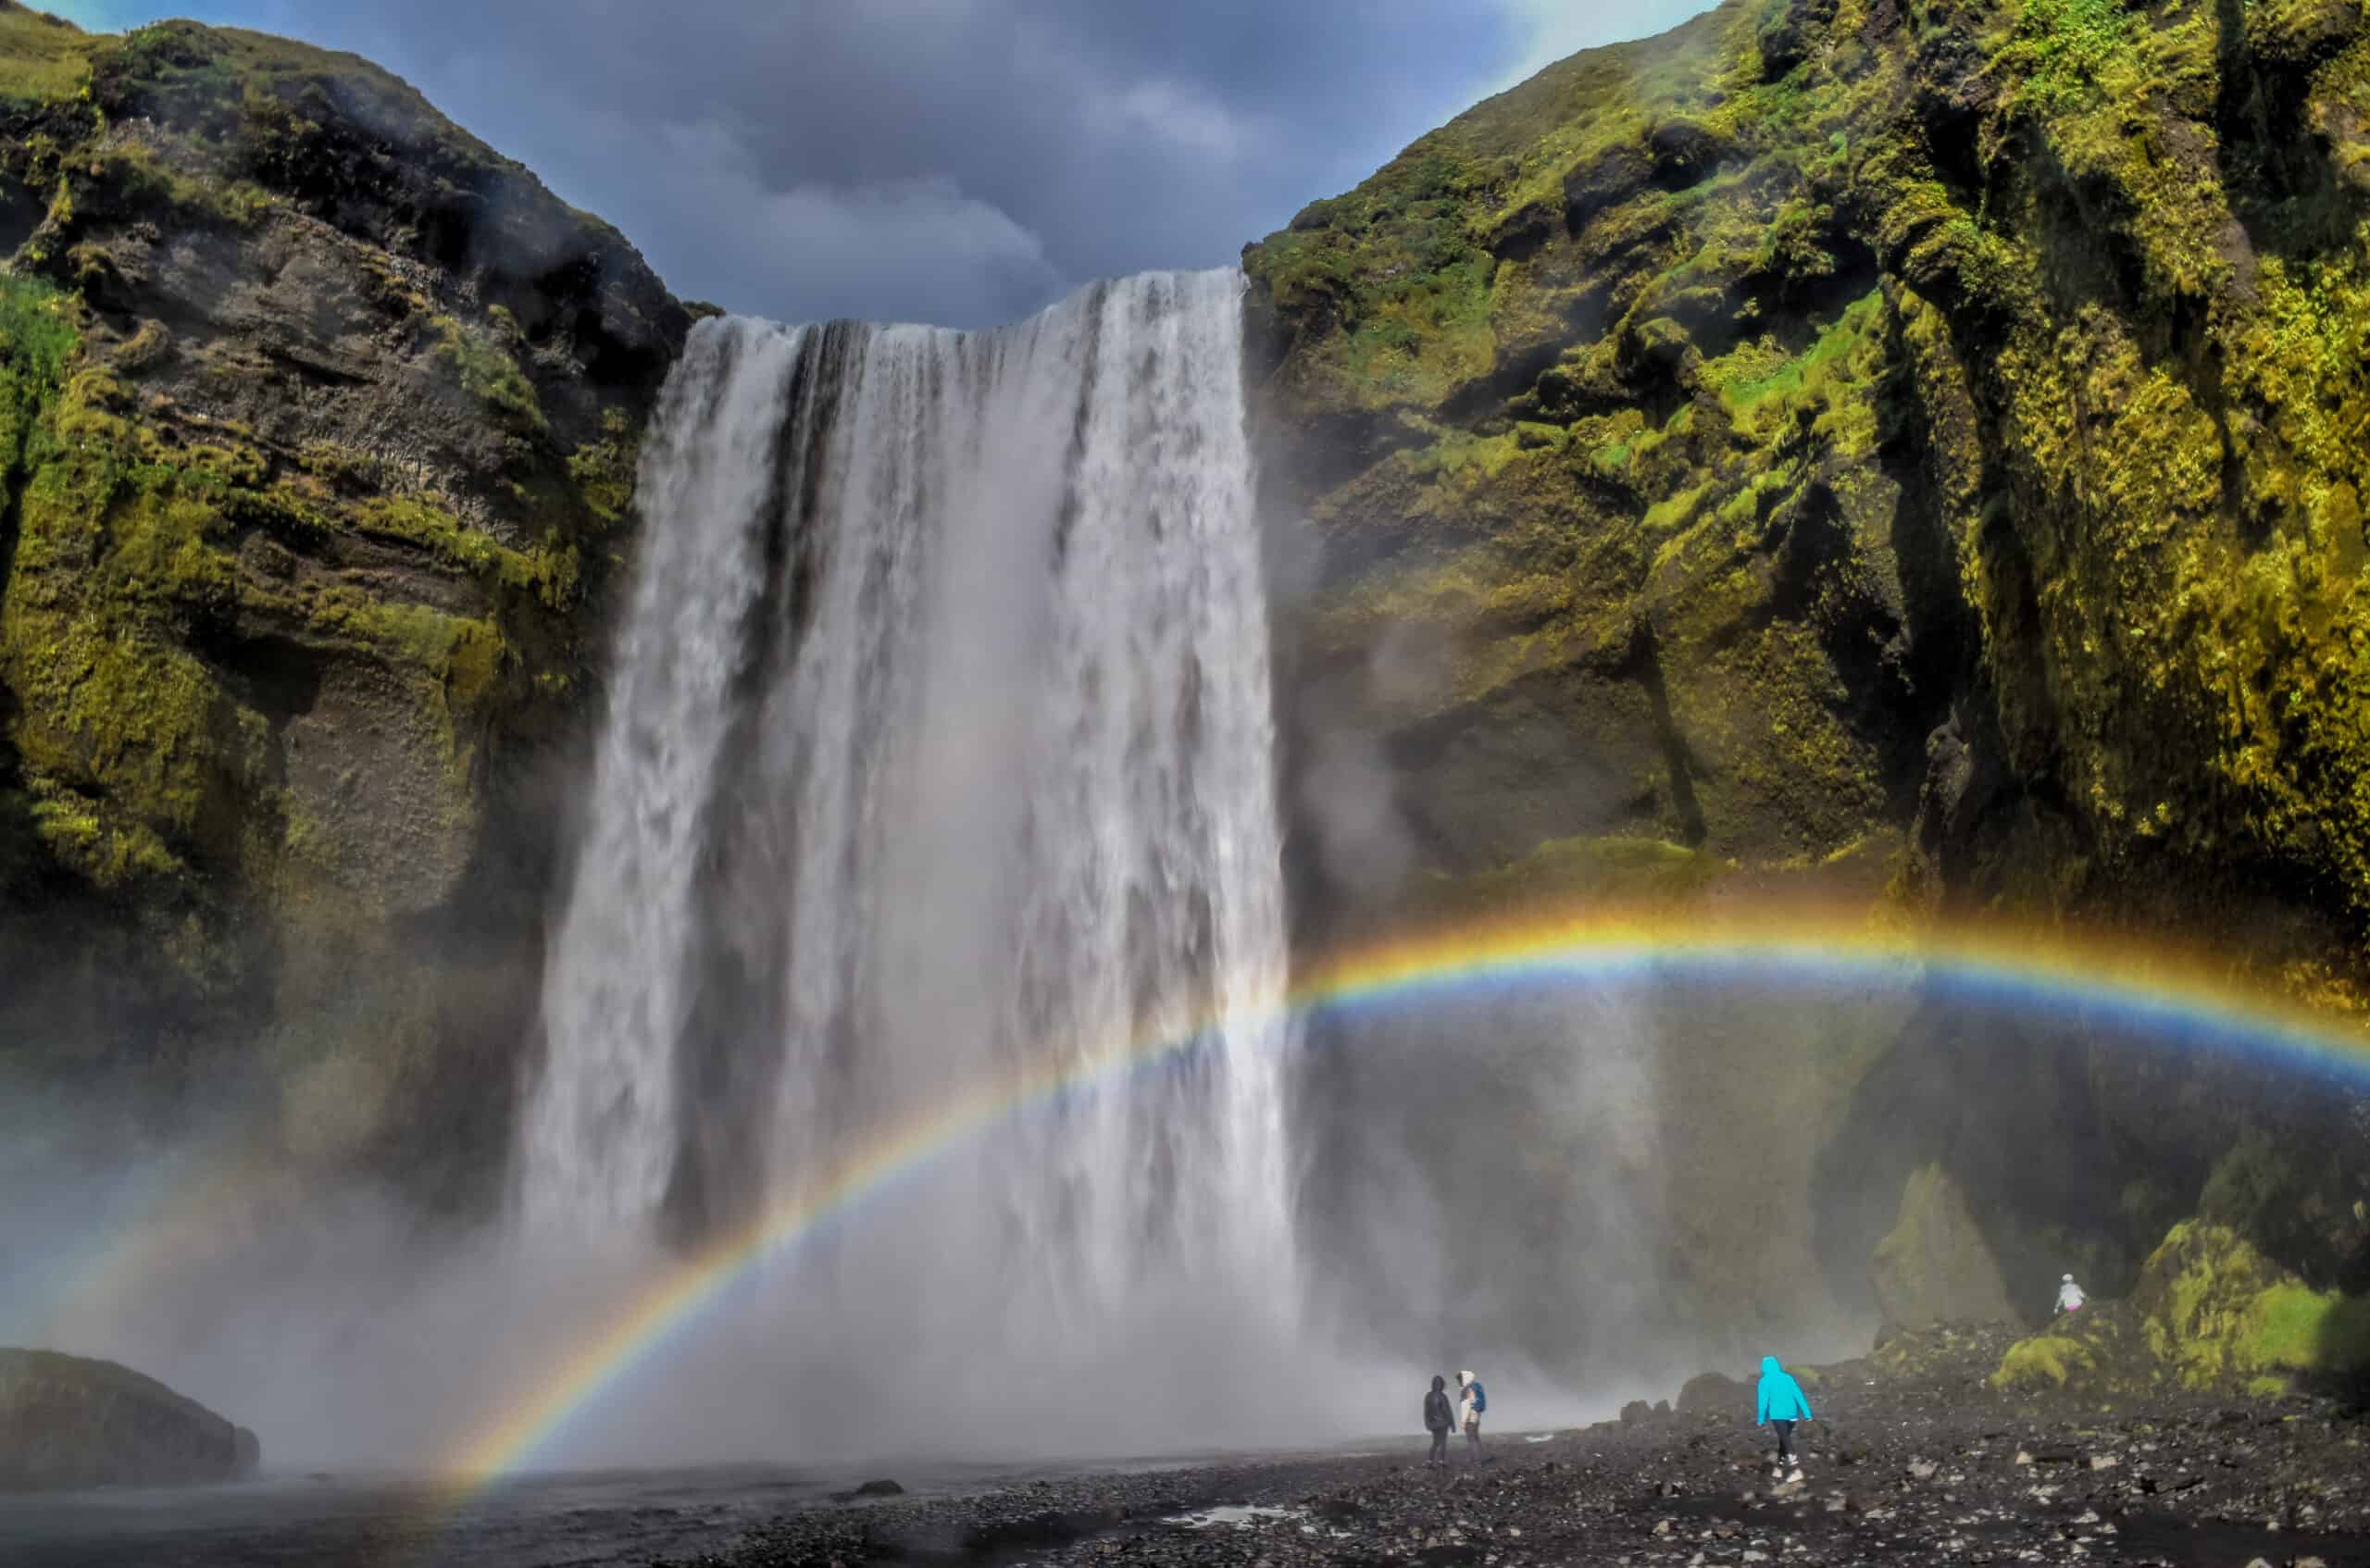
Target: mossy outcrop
[(2220, 1314), (1928, 417), (2211, 1313), (1935, 1265), (319, 435), (1931, 429), (72, 1422)]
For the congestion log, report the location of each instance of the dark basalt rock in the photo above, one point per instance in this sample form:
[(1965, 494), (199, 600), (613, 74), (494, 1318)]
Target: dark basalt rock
[(1713, 1393), (72, 1422)]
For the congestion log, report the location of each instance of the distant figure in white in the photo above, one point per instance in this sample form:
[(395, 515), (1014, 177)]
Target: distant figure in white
[(1470, 1404), (2069, 1295)]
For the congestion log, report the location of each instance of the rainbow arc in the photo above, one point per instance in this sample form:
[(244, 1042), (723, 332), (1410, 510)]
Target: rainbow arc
[(2150, 991)]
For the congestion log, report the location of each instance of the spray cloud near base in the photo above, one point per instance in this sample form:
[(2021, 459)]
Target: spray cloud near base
[(939, 754)]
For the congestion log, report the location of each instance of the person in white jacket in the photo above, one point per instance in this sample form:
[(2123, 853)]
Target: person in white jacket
[(1472, 1400), (2069, 1295)]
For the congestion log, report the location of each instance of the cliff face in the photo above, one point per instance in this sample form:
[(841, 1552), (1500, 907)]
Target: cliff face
[(1923, 436), (71, 1422), (319, 421)]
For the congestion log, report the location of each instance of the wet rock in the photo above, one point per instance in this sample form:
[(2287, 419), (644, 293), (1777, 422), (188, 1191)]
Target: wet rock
[(883, 1488), (1713, 1393), (71, 1422)]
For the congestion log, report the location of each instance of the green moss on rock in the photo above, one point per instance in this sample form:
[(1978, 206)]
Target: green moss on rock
[(1935, 1265), (1614, 872), (296, 593), (2044, 1361), (2221, 1315)]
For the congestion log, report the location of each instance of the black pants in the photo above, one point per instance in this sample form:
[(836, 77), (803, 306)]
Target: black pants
[(1440, 1446), (1785, 1440)]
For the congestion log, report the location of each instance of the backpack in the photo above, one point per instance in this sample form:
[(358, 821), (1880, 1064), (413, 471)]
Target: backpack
[(1480, 1396)]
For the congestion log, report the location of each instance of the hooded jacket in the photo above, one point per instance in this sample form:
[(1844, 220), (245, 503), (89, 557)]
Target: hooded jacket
[(1469, 1407), (1781, 1396), (2069, 1295), (1437, 1414)]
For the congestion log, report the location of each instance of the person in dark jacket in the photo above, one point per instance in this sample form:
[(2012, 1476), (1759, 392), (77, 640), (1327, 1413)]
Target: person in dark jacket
[(1438, 1419), (1781, 1405)]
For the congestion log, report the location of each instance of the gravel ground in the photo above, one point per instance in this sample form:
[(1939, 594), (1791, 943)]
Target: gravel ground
[(1932, 1467)]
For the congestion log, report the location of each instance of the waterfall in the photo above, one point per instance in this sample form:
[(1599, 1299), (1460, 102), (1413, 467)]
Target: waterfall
[(939, 760)]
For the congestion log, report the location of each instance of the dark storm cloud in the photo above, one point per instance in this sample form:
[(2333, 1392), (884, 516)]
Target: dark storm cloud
[(958, 161)]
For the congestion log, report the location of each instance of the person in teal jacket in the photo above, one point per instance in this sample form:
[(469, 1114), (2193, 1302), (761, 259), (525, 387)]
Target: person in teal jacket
[(1781, 1405)]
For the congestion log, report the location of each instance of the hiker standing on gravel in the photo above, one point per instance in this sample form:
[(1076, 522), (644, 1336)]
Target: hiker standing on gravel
[(1780, 1405), (1469, 1407), (1438, 1419), (2069, 1295)]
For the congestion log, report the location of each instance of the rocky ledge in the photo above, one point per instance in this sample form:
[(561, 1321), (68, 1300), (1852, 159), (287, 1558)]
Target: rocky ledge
[(69, 1421)]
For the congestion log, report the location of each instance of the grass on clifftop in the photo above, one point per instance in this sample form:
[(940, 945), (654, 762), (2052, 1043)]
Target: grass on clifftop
[(41, 57)]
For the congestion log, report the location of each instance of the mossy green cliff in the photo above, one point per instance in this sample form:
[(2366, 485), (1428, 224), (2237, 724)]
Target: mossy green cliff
[(319, 421), (1864, 416), (1930, 433)]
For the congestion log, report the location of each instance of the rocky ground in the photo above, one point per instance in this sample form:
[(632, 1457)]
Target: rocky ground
[(1932, 1466)]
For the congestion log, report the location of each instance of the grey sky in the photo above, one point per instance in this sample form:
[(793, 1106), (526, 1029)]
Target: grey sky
[(954, 161)]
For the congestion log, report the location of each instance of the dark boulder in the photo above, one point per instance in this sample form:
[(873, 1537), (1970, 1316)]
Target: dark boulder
[(68, 1421), (1685, 152), (1713, 1393)]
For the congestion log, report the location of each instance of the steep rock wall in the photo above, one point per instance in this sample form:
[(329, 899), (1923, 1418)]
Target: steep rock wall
[(320, 432), (1926, 434)]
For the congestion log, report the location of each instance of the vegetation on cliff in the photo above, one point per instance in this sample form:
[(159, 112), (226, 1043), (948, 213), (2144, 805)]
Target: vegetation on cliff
[(72, 1422), (1851, 370), (319, 428), (2210, 1312), (1926, 429)]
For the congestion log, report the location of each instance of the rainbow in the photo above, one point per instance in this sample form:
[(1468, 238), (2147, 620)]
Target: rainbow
[(2147, 987)]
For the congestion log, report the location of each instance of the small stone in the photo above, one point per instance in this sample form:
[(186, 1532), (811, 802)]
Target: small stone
[(2023, 1457), (2103, 1461)]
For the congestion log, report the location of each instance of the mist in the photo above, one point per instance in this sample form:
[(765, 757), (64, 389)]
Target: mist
[(940, 755)]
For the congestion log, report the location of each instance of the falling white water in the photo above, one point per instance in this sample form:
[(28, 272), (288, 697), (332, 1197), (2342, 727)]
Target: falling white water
[(599, 1138), (940, 759)]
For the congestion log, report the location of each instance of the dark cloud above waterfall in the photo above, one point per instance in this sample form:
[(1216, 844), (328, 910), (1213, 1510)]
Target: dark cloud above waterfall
[(960, 161)]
